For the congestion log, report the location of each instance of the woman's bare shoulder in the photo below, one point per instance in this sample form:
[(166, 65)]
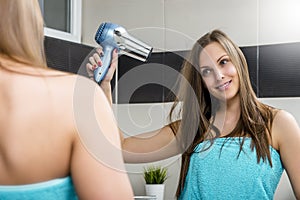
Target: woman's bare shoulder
[(65, 80), (285, 127)]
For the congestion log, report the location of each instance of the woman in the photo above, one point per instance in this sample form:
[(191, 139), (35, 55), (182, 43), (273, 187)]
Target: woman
[(43, 125), (233, 146)]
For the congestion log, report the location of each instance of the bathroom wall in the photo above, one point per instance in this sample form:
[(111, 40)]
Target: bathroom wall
[(267, 31), (175, 24)]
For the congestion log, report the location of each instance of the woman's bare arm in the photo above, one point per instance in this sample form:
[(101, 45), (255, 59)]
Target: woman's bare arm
[(150, 146), (286, 134)]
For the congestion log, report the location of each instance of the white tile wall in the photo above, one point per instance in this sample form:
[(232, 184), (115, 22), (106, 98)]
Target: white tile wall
[(176, 24)]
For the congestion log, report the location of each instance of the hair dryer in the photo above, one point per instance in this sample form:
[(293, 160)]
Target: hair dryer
[(112, 36)]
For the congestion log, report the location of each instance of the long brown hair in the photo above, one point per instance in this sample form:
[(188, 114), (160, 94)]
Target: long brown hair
[(21, 32), (198, 107)]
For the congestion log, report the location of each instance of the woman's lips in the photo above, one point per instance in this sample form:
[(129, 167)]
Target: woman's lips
[(224, 86)]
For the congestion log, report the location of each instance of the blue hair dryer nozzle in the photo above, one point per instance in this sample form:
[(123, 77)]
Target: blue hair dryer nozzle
[(112, 36)]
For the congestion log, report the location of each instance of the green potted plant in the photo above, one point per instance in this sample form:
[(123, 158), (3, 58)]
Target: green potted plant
[(155, 177)]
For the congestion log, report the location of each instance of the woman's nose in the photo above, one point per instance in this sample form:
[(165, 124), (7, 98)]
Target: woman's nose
[(219, 75)]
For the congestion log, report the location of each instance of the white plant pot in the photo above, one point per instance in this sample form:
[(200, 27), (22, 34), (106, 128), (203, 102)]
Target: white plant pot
[(156, 190)]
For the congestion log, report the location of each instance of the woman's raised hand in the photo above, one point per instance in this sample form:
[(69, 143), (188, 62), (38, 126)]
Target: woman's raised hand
[(95, 62)]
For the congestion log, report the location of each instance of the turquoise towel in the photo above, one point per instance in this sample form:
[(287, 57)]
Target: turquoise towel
[(57, 189), (218, 175)]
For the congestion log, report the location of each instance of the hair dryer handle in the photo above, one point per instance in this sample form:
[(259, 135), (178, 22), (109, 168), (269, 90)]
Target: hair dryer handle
[(101, 71)]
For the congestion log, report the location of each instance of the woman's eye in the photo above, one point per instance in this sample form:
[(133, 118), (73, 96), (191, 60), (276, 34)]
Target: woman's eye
[(206, 72), (224, 61)]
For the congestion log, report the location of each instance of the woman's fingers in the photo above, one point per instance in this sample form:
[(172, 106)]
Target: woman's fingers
[(94, 62), (90, 70), (99, 50)]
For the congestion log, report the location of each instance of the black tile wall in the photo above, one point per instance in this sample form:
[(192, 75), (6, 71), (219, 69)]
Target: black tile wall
[(279, 70), (274, 70), (153, 82), (64, 55), (251, 57)]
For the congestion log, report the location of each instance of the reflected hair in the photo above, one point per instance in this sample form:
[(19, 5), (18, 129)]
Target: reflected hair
[(21, 32)]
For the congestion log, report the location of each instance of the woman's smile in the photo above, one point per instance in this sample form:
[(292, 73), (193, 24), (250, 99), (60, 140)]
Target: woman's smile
[(224, 86)]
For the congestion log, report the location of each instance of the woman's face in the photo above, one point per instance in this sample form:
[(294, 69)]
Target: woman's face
[(219, 74)]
